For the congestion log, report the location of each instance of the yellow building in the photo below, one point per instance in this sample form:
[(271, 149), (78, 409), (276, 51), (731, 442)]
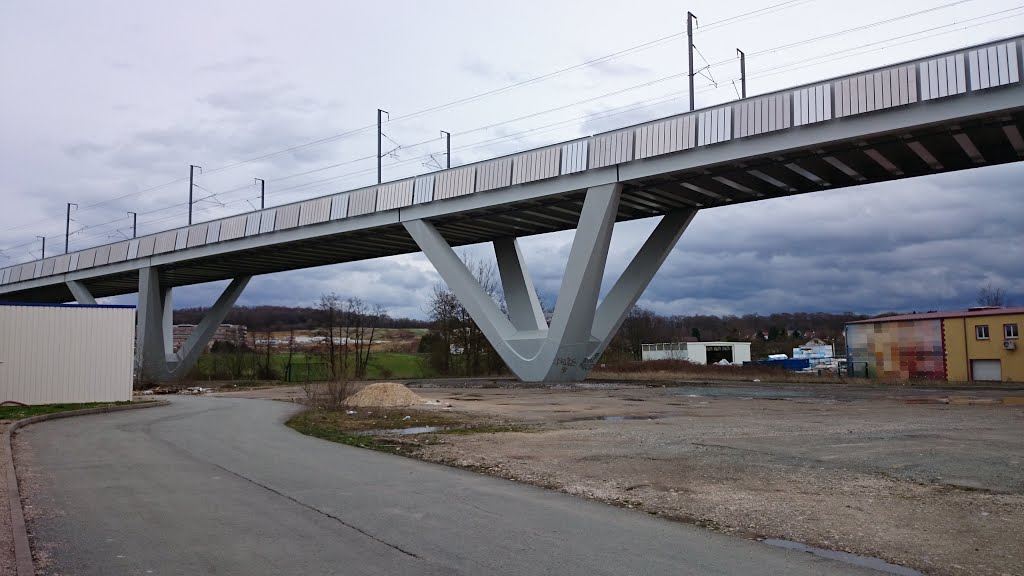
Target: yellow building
[(979, 344)]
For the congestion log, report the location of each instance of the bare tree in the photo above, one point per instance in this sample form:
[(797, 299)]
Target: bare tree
[(291, 354), (991, 296), (329, 306), (636, 328), (455, 334)]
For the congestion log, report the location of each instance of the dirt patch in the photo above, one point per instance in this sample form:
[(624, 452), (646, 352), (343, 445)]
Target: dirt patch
[(385, 394), (933, 486)]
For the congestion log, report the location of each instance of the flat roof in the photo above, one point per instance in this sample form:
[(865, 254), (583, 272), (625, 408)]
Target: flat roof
[(45, 305), (941, 315), (713, 343)]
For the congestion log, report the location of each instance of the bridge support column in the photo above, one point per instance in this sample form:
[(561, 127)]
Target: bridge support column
[(155, 358), (80, 292), (580, 329)]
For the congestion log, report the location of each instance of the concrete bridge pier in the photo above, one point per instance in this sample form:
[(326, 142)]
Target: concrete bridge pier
[(581, 327), (155, 360)]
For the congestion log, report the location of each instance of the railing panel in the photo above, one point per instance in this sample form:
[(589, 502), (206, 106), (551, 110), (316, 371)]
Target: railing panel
[(213, 231), (287, 217), (339, 206), (165, 241), (133, 249), (197, 235), (47, 268), (234, 227), (252, 223), (61, 265), (454, 182), (73, 265), (362, 202), (37, 268), (147, 245), (118, 252), (812, 104), (394, 195), (102, 255), (714, 126), (86, 259), (423, 189), (315, 211), (494, 174), (884, 89), (181, 239), (574, 156), (268, 220), (762, 115), (536, 165), (994, 66), (665, 137), (3, 275), (611, 149)]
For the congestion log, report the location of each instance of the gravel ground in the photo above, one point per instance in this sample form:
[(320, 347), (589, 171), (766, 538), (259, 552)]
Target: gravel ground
[(887, 473)]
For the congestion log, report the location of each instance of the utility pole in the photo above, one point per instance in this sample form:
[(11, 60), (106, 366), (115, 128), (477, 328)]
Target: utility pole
[(690, 18), (379, 134), (67, 226), (191, 171), (448, 147), (743, 73), (43, 255), (135, 220), (263, 192)]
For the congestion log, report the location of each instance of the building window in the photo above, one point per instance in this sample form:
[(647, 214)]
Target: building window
[(1010, 331), (981, 332)]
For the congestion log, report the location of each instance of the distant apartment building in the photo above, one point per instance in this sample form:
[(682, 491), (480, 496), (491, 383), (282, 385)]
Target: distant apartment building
[(979, 344), (234, 333)]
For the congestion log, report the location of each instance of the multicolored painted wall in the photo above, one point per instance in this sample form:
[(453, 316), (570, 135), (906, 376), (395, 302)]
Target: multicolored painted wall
[(911, 349)]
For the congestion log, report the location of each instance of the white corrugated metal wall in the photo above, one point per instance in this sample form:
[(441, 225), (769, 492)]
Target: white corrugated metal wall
[(66, 354)]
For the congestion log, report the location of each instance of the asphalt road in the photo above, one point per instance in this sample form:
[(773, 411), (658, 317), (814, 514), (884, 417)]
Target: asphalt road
[(219, 486)]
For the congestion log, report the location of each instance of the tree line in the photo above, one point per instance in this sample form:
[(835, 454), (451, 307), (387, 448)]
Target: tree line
[(282, 318)]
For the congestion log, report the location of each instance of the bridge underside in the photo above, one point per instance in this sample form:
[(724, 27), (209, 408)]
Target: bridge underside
[(972, 143)]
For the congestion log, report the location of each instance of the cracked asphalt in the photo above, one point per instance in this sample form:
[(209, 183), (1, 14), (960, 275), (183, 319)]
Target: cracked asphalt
[(220, 486)]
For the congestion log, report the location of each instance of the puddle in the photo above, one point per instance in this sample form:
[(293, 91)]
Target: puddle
[(736, 392), (617, 418), (404, 431), (846, 557), (613, 418)]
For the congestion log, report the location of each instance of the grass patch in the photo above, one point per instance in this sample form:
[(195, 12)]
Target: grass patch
[(489, 429), (344, 428), (19, 412)]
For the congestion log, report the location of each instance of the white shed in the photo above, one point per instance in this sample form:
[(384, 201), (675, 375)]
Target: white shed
[(66, 353), (698, 352)]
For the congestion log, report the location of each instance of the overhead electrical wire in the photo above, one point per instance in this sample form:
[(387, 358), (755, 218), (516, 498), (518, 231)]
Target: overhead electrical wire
[(534, 80), (762, 73)]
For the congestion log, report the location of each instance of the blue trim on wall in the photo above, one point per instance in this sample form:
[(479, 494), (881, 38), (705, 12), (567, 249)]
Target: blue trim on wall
[(42, 305)]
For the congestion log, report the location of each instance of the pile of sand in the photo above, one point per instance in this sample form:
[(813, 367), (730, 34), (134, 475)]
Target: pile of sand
[(384, 394)]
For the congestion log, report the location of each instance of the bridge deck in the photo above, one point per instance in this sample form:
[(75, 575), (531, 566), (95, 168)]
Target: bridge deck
[(959, 110)]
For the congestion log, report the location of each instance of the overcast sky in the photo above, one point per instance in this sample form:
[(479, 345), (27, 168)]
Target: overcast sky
[(106, 103)]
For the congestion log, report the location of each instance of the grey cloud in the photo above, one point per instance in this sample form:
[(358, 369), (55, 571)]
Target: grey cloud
[(619, 67), (84, 149)]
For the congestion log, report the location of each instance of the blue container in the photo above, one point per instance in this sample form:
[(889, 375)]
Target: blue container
[(791, 364)]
